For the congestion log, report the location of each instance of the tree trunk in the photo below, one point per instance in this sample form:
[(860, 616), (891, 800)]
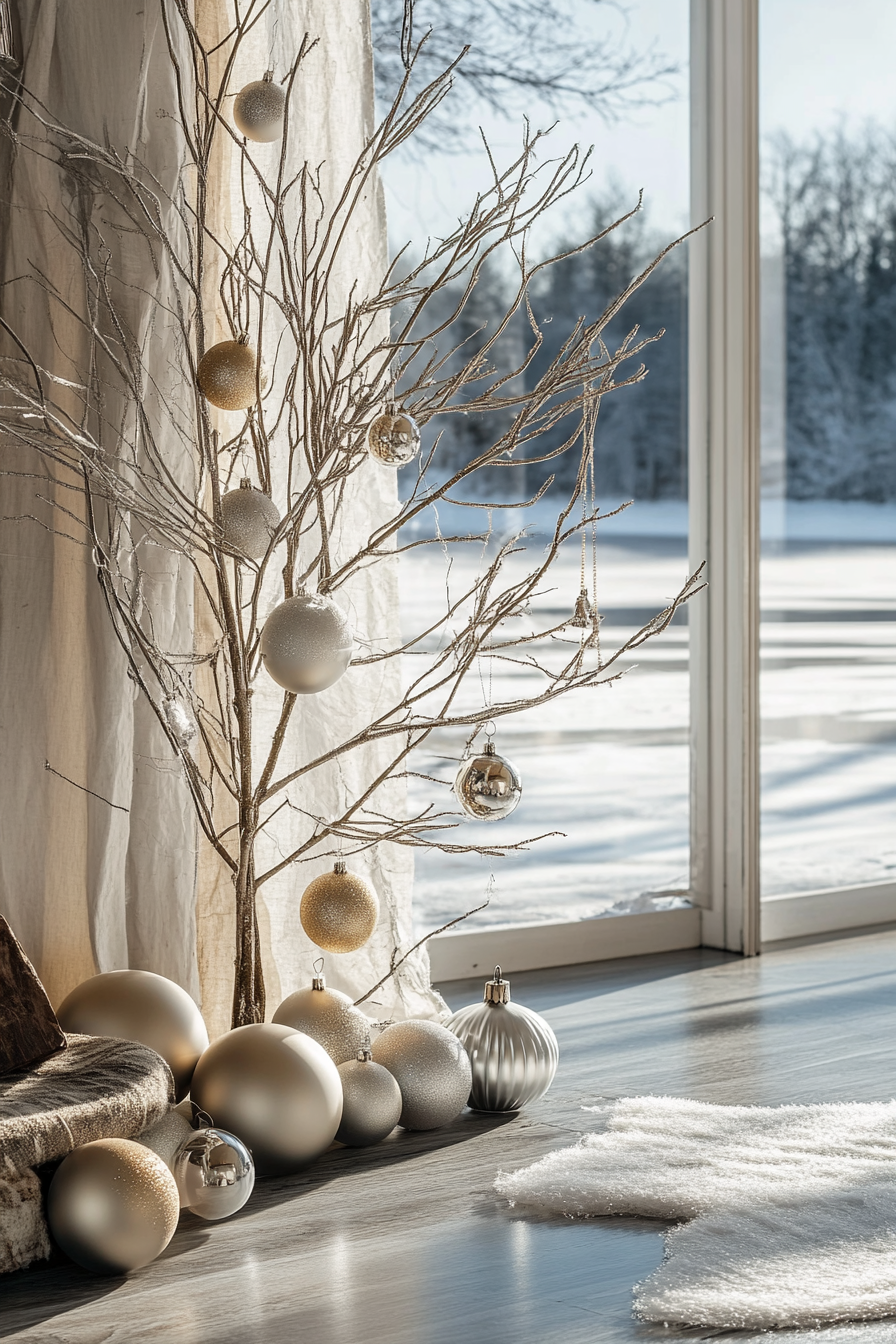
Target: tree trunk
[(248, 983)]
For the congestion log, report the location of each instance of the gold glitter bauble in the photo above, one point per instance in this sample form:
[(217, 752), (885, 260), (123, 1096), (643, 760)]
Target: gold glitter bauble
[(488, 786), (329, 1017), (113, 1206), (371, 1102), (307, 643), (226, 375), (258, 110), (250, 520), (393, 438), (432, 1069), (339, 911), (140, 1006)]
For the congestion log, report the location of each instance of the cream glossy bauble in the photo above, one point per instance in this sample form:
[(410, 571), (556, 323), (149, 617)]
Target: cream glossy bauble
[(275, 1088), (513, 1051), (250, 520), (306, 643), (258, 110), (328, 1017), (214, 1172), (393, 438), (227, 375), (432, 1069), (339, 910), (140, 1006), (371, 1101), (112, 1206), (487, 786)]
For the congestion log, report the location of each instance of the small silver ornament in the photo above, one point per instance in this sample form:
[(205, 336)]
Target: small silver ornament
[(215, 1173), (250, 520), (328, 1016), (393, 438), (513, 1052), (488, 786), (371, 1101), (432, 1069), (307, 643), (258, 110), (584, 612)]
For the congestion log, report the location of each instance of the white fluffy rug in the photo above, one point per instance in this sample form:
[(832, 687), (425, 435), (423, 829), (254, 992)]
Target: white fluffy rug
[(793, 1207)]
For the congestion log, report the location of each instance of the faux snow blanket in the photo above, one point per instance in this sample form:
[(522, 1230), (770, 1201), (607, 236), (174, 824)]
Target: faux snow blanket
[(791, 1209)]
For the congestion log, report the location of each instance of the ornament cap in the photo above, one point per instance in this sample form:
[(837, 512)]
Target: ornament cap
[(339, 866), (490, 751), (318, 980), (365, 1054), (245, 483), (268, 77), (243, 338), (497, 990)]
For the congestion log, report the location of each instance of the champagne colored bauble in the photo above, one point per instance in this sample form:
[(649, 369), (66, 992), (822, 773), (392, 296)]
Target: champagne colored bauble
[(306, 643), (432, 1069), (140, 1006), (328, 1016), (258, 110), (113, 1206), (339, 910), (226, 375), (393, 438), (275, 1088), (513, 1051), (487, 786), (371, 1101), (250, 520), (214, 1172)]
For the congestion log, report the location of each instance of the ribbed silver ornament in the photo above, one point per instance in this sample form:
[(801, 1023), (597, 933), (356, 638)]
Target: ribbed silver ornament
[(513, 1052)]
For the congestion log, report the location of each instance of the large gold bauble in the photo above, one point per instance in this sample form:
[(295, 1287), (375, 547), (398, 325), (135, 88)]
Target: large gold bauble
[(432, 1069), (488, 786), (328, 1016), (306, 643), (274, 1088), (226, 375), (339, 910), (140, 1006), (371, 1102), (250, 520), (113, 1206), (258, 110)]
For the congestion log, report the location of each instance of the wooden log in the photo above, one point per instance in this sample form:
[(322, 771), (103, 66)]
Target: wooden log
[(29, 1031)]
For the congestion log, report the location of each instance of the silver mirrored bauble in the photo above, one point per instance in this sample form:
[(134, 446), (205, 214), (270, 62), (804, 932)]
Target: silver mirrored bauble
[(432, 1069), (250, 520), (215, 1173), (513, 1051), (307, 644), (488, 786), (258, 110), (328, 1016), (393, 438), (371, 1101)]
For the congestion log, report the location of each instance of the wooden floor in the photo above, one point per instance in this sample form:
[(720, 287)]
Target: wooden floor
[(406, 1244)]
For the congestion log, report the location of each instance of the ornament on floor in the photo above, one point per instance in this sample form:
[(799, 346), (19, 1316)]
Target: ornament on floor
[(488, 786), (432, 1069), (258, 109), (250, 520), (227, 375), (140, 1006), (306, 643), (112, 1206), (513, 1051), (276, 1088), (214, 1172), (339, 910), (326, 1015), (371, 1101), (393, 438)]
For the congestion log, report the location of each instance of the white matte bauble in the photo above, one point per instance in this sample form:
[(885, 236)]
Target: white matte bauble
[(488, 786), (214, 1172), (371, 1102), (274, 1087), (258, 110), (432, 1069), (250, 520), (328, 1016), (393, 438), (513, 1051), (306, 644)]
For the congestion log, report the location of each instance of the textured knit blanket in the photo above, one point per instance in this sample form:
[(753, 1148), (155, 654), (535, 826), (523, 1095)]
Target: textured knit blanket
[(96, 1089)]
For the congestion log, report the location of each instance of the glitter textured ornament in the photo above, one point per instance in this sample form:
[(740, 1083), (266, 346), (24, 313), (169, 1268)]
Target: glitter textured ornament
[(432, 1069), (113, 1206), (513, 1051), (306, 643), (371, 1101), (258, 110), (487, 786), (226, 375), (274, 1087), (328, 1017), (339, 910), (214, 1172), (140, 1006), (393, 438), (250, 520)]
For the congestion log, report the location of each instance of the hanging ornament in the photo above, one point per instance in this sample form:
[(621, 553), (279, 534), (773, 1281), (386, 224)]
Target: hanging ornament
[(214, 1172), (432, 1069), (258, 110), (339, 910), (178, 719), (393, 438), (488, 786), (513, 1051), (326, 1015), (226, 375), (583, 614), (371, 1101), (307, 643), (250, 520)]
